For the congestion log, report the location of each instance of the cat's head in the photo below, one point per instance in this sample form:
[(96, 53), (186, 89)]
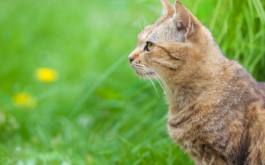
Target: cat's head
[(175, 44)]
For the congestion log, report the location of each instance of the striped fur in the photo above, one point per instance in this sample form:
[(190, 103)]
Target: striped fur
[(216, 108)]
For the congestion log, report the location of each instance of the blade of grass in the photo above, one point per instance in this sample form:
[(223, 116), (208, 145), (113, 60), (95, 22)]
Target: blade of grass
[(97, 83)]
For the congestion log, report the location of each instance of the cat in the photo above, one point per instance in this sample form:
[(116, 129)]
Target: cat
[(216, 108)]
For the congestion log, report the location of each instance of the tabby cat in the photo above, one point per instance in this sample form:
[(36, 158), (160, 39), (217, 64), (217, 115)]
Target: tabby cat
[(216, 108)]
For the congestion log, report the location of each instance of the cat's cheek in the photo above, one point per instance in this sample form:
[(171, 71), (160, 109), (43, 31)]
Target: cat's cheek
[(146, 61)]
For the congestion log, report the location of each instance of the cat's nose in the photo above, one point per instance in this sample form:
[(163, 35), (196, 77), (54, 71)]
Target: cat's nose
[(131, 59)]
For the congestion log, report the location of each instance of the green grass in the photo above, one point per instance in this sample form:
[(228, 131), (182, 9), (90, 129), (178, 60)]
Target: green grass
[(99, 111)]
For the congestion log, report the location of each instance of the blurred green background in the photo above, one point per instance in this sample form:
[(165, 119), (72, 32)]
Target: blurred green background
[(68, 94)]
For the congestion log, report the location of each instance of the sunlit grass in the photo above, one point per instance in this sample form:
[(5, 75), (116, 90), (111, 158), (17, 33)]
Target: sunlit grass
[(95, 110)]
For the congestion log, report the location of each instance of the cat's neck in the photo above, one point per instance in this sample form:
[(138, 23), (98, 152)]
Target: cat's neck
[(185, 88)]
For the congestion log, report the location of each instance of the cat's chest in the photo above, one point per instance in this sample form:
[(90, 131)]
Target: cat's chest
[(181, 124), (198, 149), (190, 129)]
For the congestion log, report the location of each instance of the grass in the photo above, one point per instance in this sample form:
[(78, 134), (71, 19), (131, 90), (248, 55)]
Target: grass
[(98, 111)]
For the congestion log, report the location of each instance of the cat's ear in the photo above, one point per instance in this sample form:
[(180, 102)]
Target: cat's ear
[(168, 8), (184, 17)]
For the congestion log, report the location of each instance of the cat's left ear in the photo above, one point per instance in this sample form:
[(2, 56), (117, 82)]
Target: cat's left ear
[(184, 18), (168, 8)]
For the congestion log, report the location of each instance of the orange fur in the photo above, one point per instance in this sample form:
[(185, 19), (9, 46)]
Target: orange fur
[(216, 108)]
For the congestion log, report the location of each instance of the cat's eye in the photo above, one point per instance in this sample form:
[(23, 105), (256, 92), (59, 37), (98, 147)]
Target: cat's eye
[(149, 46)]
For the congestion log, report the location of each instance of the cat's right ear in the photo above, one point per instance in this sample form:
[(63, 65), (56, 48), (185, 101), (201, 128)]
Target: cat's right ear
[(184, 18), (168, 8)]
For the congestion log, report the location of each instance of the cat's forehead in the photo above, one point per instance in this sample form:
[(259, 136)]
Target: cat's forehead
[(149, 29), (144, 34)]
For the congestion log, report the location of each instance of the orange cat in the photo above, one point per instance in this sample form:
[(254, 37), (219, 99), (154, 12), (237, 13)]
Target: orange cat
[(216, 108)]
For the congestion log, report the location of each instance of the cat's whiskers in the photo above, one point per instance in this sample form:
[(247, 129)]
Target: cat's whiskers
[(165, 84), (152, 83), (145, 22), (155, 75), (145, 74)]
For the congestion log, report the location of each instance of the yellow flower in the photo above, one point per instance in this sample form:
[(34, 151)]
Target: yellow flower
[(24, 100), (46, 74)]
